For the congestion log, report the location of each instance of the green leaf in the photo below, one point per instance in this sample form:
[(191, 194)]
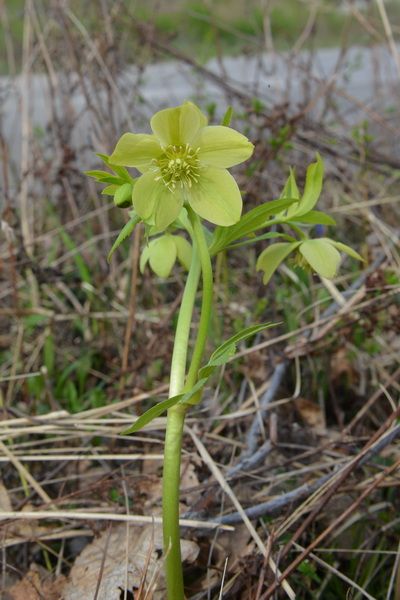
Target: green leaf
[(227, 118), (290, 189), (312, 188), (121, 171), (123, 234), (315, 217), (270, 258), (250, 222), (110, 190), (104, 177), (322, 256), (123, 196), (345, 248), (151, 414), (266, 236), (224, 351)]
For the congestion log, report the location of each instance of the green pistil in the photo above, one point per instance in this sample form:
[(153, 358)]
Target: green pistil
[(178, 166)]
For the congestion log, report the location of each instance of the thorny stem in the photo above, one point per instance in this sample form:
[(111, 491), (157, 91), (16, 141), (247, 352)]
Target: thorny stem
[(176, 414)]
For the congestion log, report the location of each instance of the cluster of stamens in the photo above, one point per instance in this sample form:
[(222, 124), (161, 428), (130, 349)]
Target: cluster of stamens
[(178, 166)]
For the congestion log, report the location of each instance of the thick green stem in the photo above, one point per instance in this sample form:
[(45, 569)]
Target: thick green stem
[(171, 484), (173, 437), (206, 302), (176, 414)]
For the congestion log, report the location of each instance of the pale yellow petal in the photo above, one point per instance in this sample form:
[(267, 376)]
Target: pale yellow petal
[(178, 126), (136, 150), (216, 197), (222, 147)]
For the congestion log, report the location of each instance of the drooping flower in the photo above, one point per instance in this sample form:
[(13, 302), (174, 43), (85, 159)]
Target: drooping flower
[(162, 253), (321, 254), (184, 161)]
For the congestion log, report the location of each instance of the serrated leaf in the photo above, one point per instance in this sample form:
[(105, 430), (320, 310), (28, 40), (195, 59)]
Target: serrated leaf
[(151, 414), (270, 258), (225, 350), (123, 234), (315, 217)]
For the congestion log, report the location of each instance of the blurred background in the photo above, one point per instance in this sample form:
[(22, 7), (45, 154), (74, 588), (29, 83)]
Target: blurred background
[(85, 344)]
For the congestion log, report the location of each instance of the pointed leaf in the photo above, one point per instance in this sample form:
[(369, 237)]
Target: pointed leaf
[(224, 351), (104, 177), (270, 259), (347, 250), (227, 118), (123, 234), (151, 414), (250, 222), (315, 217), (121, 171), (312, 188), (290, 189)]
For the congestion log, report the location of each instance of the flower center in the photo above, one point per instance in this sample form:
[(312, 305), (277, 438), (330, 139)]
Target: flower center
[(179, 165)]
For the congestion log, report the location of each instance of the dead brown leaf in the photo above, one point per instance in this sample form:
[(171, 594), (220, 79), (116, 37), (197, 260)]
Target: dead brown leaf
[(311, 414), (123, 559), (37, 585)]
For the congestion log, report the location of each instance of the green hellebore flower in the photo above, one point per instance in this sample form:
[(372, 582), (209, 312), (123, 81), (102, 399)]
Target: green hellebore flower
[(184, 161), (163, 252), (322, 254)]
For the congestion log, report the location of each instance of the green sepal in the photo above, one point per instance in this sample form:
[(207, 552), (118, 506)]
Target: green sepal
[(124, 233), (183, 251), (162, 252)]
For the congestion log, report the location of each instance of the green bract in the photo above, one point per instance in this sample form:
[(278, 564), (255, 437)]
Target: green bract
[(163, 252), (183, 162), (322, 254)]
